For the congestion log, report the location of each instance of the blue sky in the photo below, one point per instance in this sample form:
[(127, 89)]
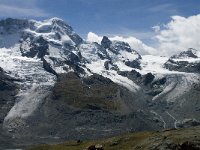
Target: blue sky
[(110, 17)]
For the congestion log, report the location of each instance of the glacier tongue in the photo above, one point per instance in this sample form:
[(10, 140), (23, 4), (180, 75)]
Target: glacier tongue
[(98, 68), (39, 51), (28, 102), (35, 83), (108, 61)]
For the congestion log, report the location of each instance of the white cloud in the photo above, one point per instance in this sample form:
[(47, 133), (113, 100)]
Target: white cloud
[(92, 37), (156, 28), (135, 43), (21, 8), (179, 34)]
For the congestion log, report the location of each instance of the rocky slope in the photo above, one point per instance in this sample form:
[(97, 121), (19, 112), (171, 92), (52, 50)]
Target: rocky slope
[(186, 61), (181, 139), (57, 86), (8, 89)]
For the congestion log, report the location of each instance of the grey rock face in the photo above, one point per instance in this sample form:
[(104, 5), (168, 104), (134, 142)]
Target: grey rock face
[(120, 46), (185, 54), (8, 90), (181, 62), (133, 64), (148, 78), (83, 104), (37, 46), (117, 46), (183, 66), (63, 27), (106, 42), (94, 106)]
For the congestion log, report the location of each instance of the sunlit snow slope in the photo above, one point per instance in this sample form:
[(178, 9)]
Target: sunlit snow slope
[(36, 52)]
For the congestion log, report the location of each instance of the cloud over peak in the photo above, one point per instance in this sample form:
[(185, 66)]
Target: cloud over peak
[(135, 43), (179, 34), (92, 37)]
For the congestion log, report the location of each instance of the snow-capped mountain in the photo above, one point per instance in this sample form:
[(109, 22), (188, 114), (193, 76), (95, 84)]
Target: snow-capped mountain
[(186, 61), (69, 88)]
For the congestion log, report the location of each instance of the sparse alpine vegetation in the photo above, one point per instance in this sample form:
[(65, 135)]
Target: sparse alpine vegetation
[(172, 139)]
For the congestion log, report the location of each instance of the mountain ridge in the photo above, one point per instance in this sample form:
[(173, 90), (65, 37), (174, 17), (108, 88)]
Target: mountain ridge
[(74, 89)]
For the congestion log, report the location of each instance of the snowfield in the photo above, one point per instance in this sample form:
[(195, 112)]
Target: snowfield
[(64, 46)]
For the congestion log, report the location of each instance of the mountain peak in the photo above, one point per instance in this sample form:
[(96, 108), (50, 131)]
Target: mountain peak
[(106, 42), (190, 53), (55, 19), (193, 50), (54, 23), (61, 74), (58, 21)]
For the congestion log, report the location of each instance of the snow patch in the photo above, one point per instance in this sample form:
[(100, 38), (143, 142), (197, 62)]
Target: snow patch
[(98, 68)]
